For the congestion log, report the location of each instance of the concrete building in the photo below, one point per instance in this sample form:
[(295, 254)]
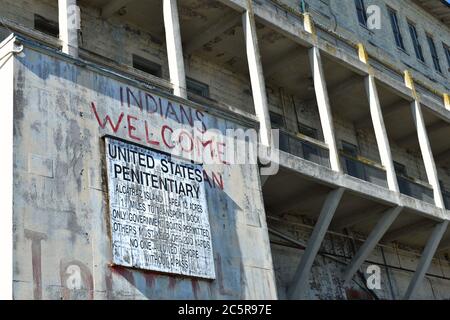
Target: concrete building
[(359, 90)]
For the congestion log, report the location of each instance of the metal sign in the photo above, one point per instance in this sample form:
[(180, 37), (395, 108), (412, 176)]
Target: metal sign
[(158, 212)]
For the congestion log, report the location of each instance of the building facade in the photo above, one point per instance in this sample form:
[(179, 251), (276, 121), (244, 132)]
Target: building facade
[(357, 90)]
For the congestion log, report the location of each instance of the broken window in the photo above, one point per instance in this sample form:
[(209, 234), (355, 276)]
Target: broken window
[(46, 26)]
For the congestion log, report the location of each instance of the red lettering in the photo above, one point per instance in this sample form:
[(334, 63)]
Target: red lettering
[(221, 152), (217, 180), (147, 136), (191, 141), (107, 120), (132, 128), (163, 130)]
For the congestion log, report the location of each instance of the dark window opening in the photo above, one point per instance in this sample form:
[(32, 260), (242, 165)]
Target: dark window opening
[(352, 165), (197, 87), (400, 169), (396, 28), (276, 120), (147, 66), (361, 12), (307, 131), (416, 42), (447, 55), (434, 55), (46, 26), (350, 149)]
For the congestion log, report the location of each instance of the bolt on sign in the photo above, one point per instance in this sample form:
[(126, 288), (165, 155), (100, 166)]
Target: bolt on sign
[(158, 212)]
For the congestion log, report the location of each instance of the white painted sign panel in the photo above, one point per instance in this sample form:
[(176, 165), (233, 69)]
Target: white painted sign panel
[(158, 211)]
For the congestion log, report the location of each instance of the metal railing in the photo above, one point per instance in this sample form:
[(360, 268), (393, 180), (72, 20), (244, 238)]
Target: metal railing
[(304, 148), (414, 189), (364, 170)]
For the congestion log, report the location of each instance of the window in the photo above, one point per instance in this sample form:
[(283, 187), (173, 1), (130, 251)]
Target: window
[(350, 149), (147, 66), (361, 12), (415, 40), (352, 166), (197, 87), (307, 131), (434, 55), (400, 169), (46, 26), (276, 120), (447, 54), (396, 28)]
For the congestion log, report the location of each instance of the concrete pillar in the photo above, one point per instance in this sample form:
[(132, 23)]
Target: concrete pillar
[(323, 105), (380, 133), (256, 76), (427, 155), (69, 17), (375, 236), (300, 280), (6, 162), (426, 258), (174, 48), (424, 143)]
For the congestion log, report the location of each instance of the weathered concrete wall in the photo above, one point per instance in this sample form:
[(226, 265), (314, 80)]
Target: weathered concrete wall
[(60, 209), (397, 266)]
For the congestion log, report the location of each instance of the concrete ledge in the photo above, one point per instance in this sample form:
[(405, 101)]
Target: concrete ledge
[(326, 176)]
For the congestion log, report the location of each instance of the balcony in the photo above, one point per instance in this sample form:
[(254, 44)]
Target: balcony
[(415, 189), (304, 147), (364, 169)]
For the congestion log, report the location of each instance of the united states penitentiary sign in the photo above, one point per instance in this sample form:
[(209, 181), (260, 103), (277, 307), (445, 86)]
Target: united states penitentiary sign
[(158, 212)]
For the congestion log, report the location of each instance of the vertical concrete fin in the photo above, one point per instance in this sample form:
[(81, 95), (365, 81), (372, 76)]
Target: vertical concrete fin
[(324, 107), (256, 75), (68, 17), (300, 280), (427, 154), (426, 258), (379, 127), (174, 48), (386, 220)]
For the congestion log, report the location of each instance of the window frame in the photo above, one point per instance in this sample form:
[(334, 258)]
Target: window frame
[(145, 65), (416, 41), (275, 115), (434, 53), (199, 86), (361, 12), (447, 54), (45, 25), (395, 26)]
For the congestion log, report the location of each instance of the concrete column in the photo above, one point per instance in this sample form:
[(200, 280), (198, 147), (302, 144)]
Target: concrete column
[(300, 280), (375, 236), (323, 105), (256, 76), (426, 258), (6, 162), (174, 48), (69, 17), (380, 132), (427, 155)]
